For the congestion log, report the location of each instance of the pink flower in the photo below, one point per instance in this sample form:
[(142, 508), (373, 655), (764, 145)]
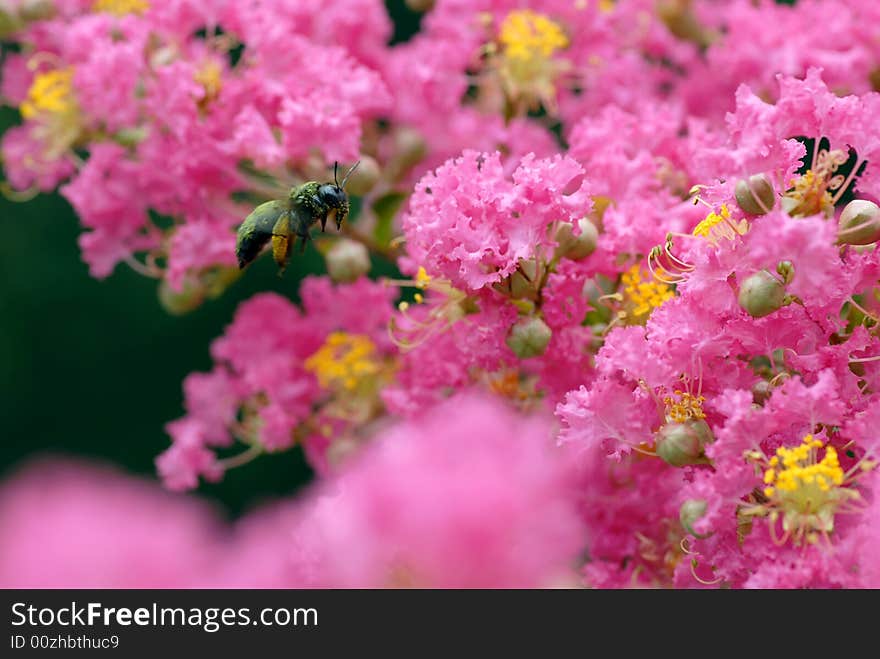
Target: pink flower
[(198, 246), (106, 196), (468, 223), (468, 496), (69, 525), (436, 360), (631, 510), (27, 164), (821, 33), (263, 389)]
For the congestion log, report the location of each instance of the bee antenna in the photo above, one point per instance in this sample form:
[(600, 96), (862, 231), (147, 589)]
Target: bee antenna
[(350, 172), (335, 169)]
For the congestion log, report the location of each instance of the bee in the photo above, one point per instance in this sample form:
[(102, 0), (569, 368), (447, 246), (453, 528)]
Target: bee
[(284, 220)]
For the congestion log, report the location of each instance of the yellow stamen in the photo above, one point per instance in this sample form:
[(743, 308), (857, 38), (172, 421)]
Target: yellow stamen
[(712, 220), (805, 491), (121, 7), (642, 293), (527, 35), (52, 107), (209, 76), (422, 278), (50, 93), (344, 361), (719, 225), (811, 193), (526, 63), (684, 406)]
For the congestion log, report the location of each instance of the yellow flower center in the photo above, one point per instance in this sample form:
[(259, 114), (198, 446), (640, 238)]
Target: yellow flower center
[(121, 7), (527, 35), (719, 225), (51, 104), (683, 406), (527, 70), (210, 77), (795, 475), (50, 93), (712, 220), (642, 293), (344, 361), (812, 192), (422, 278), (806, 491)]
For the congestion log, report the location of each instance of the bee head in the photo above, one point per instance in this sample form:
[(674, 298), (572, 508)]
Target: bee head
[(333, 195)]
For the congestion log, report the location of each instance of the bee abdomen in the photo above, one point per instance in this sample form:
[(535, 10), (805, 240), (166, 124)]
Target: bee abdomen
[(250, 245), (256, 230)]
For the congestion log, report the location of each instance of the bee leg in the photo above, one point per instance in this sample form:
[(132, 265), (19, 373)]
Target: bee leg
[(281, 242), (281, 247), (304, 237)]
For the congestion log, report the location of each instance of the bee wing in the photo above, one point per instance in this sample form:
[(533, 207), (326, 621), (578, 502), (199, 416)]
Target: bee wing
[(256, 230)]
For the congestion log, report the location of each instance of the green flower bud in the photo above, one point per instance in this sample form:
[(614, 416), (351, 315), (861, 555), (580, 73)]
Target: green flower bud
[(523, 283), (681, 443), (36, 10), (9, 23), (859, 223), (410, 149), (364, 178), (340, 450), (217, 279), (755, 194), (347, 260), (131, 137), (761, 294), (785, 269), (181, 302), (761, 392), (529, 337), (680, 20), (690, 513), (704, 432), (420, 5), (576, 247)]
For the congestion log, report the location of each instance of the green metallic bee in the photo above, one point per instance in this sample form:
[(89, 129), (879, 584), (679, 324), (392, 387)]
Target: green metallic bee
[(283, 220)]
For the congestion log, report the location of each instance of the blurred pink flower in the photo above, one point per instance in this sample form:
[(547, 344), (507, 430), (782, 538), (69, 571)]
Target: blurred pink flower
[(74, 525), (470, 495)]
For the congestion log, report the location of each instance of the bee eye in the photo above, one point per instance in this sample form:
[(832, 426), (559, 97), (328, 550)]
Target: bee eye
[(329, 194)]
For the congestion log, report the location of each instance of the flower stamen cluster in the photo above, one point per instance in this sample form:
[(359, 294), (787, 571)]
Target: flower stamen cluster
[(806, 491), (121, 7), (343, 361), (683, 406), (642, 294)]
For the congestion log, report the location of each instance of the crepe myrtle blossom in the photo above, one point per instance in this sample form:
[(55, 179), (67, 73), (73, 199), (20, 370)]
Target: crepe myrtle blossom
[(283, 377), (604, 310), (71, 524), (471, 224), (470, 495)]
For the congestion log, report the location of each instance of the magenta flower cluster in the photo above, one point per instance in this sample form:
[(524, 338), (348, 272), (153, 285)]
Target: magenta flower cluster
[(634, 341)]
